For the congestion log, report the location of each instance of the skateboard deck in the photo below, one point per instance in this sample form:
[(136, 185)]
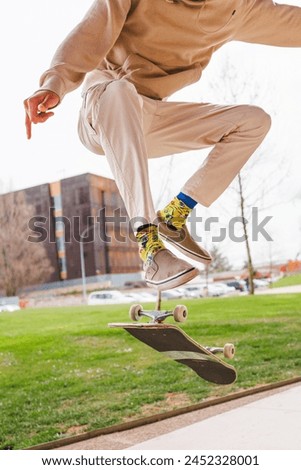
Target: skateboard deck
[(175, 344)]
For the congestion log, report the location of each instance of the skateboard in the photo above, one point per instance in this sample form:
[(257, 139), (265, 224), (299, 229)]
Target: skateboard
[(175, 344)]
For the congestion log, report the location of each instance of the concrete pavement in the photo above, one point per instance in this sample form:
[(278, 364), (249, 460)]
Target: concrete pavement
[(271, 423), (280, 290)]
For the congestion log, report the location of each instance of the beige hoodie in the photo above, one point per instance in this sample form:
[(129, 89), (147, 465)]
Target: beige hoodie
[(163, 45)]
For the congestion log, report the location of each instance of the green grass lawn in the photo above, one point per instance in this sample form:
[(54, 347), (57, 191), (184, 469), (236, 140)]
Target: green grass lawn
[(64, 372), (293, 280)]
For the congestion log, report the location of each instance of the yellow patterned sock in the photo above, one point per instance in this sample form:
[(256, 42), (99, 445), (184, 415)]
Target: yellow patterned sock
[(175, 213), (149, 242)]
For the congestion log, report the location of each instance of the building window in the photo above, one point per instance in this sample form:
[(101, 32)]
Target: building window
[(81, 196)]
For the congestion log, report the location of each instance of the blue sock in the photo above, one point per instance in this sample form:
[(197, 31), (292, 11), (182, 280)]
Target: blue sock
[(191, 203)]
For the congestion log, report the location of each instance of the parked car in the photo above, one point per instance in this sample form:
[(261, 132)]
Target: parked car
[(210, 290), (261, 283), (192, 291), (9, 308), (238, 285), (108, 297), (147, 296), (141, 296), (223, 288), (182, 292), (171, 294), (195, 291)]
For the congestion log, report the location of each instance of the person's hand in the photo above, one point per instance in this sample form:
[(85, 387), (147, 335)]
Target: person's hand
[(37, 106)]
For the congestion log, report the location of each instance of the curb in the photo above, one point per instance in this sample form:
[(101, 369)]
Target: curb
[(162, 416)]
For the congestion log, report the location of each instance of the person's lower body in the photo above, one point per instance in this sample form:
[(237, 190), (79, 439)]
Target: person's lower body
[(129, 128)]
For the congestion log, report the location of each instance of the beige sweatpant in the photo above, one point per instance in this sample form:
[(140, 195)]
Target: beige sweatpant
[(129, 128)]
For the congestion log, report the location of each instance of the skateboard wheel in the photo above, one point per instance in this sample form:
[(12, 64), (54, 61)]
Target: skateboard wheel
[(180, 313), (229, 351), (135, 311)]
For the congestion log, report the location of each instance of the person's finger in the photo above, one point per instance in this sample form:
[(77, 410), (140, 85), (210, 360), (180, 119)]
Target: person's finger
[(28, 125), (44, 105), (43, 117), (42, 108), (36, 109), (31, 109), (50, 101), (35, 115)]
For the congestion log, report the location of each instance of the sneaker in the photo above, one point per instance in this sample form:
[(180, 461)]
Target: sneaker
[(165, 271), (183, 241)]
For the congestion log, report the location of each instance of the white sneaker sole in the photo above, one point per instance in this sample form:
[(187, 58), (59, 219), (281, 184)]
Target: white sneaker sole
[(175, 281)]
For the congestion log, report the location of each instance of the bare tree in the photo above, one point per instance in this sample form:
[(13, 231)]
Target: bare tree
[(246, 235), (21, 262)]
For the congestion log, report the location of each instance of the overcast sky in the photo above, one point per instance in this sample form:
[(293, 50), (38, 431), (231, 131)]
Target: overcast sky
[(30, 33)]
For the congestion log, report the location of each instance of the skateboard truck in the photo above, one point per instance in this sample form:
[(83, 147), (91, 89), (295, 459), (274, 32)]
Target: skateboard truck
[(228, 350), (179, 313)]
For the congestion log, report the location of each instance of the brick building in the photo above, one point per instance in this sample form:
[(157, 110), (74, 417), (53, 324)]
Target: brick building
[(83, 209)]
